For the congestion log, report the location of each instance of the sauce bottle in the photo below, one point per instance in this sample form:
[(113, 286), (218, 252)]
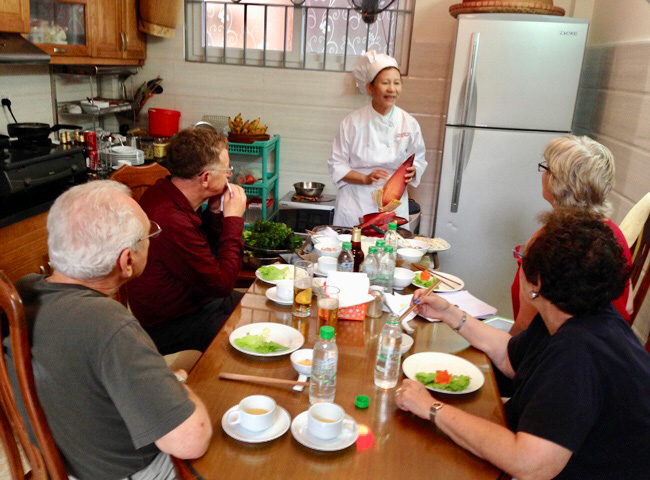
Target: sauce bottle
[(357, 253)]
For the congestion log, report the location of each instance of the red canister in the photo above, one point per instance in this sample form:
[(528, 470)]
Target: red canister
[(163, 122), (93, 160), (90, 138)]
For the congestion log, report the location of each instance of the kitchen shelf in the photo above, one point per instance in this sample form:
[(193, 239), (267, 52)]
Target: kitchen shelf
[(268, 153), (126, 107)]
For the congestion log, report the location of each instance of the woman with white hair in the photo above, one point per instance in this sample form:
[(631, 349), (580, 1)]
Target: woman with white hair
[(577, 172), (373, 141)]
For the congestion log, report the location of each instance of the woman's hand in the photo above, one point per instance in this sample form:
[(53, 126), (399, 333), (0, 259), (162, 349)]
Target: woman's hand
[(431, 306), (375, 176), (410, 174), (414, 397)]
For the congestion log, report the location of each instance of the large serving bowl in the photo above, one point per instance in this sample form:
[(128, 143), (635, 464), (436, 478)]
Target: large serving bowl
[(309, 189)]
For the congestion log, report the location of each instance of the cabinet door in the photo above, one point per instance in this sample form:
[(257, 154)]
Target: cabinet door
[(14, 16), (135, 41), (107, 29)]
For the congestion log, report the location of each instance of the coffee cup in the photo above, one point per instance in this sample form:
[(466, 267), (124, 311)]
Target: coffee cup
[(327, 264), (284, 289), (254, 413), (325, 420)]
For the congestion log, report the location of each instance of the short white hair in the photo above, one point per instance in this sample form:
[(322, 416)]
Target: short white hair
[(89, 226)]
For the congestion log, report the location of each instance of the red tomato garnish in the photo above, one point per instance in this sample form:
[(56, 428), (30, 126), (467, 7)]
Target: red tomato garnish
[(425, 275), (443, 377)]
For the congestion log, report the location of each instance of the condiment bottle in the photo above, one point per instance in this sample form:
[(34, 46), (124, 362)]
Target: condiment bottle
[(345, 262), (357, 253)]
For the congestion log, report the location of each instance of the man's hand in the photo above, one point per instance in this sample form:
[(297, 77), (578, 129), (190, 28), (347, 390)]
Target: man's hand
[(414, 397), (234, 206), (375, 176), (410, 174), (431, 306)]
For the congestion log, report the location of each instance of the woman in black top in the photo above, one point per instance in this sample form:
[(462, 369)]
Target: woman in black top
[(581, 407)]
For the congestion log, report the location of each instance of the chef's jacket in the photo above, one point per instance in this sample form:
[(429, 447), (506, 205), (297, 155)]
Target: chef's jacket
[(368, 140)]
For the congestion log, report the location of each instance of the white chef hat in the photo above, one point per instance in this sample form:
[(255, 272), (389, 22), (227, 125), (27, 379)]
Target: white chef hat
[(369, 65)]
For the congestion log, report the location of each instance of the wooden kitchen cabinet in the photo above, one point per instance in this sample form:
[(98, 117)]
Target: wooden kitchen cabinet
[(116, 32), (23, 247), (14, 16), (61, 27)]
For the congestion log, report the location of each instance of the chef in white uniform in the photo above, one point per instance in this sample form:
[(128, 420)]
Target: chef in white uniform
[(373, 141)]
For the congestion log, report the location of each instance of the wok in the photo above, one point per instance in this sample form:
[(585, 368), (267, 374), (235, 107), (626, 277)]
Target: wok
[(33, 131)]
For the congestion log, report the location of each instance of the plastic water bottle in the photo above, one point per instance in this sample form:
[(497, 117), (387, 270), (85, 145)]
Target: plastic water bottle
[(387, 268), (322, 385), (388, 354), (380, 244), (345, 262), (370, 265), (390, 239)]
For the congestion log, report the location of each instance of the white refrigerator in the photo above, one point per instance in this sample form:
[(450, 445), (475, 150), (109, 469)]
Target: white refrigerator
[(513, 88)]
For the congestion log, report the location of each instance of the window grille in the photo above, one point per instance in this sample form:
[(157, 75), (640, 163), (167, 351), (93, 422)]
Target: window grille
[(316, 35)]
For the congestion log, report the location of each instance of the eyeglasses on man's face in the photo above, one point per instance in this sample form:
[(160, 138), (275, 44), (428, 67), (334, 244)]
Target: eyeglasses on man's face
[(154, 231), (543, 167), (224, 170)]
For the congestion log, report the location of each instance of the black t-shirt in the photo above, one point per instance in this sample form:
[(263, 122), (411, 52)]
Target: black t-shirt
[(586, 388)]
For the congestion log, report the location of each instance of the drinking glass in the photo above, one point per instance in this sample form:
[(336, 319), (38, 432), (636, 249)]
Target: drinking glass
[(303, 274), (328, 307)]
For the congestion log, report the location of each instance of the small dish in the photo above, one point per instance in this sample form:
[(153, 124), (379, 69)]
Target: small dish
[(301, 355), (347, 437), (416, 244), (272, 294), (402, 278), (280, 425), (410, 254), (407, 343), (328, 247)]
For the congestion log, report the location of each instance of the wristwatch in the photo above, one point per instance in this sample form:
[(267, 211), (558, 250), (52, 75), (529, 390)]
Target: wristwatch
[(433, 411)]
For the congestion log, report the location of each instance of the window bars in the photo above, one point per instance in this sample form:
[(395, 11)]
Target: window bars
[(324, 35)]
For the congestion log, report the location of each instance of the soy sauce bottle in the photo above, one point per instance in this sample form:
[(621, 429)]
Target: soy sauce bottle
[(357, 253)]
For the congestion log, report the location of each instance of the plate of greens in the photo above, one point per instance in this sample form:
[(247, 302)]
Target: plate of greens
[(443, 372), (266, 339), (273, 273), (266, 237), (425, 279)]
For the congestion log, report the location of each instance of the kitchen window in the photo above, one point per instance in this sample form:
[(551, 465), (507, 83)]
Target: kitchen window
[(315, 35)]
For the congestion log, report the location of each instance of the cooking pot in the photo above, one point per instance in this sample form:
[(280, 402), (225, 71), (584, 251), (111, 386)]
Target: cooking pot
[(33, 131)]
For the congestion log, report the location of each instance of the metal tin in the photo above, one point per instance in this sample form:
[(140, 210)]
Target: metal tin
[(79, 137), (93, 160), (160, 150), (90, 138)]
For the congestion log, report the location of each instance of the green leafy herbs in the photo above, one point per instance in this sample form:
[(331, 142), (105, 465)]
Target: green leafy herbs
[(258, 344), (442, 380), (271, 236), (271, 273)]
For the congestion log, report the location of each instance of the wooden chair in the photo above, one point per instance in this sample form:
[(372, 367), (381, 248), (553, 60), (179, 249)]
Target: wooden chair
[(138, 179), (45, 460), (636, 228)]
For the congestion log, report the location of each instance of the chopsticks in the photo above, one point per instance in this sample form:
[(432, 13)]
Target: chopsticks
[(254, 379), (413, 305), (443, 279)]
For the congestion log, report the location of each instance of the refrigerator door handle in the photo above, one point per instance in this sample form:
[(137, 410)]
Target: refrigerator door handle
[(460, 162), (470, 84)]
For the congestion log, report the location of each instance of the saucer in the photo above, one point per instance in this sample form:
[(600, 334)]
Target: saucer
[(317, 271), (271, 294), (344, 440), (280, 426)]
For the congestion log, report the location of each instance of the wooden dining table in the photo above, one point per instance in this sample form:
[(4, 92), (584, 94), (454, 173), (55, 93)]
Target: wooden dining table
[(391, 444)]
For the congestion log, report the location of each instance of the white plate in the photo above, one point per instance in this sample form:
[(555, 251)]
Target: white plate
[(281, 424), (274, 282), (279, 333), (271, 294), (429, 362), (442, 287), (347, 437), (433, 249)]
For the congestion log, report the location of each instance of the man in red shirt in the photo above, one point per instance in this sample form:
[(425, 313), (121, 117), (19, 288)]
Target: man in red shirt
[(185, 293)]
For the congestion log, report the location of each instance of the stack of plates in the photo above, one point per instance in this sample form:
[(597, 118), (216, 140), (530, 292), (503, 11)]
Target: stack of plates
[(121, 155)]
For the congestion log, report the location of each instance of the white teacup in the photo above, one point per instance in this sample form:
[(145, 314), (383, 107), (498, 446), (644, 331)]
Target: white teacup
[(325, 420), (254, 413), (284, 289), (327, 264)]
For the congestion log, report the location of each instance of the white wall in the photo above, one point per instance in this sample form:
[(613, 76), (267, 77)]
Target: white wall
[(617, 21)]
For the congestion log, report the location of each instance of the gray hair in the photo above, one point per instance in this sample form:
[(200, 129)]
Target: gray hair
[(581, 173), (89, 226)]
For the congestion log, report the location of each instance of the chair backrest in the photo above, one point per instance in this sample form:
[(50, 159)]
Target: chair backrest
[(138, 179), (12, 306)]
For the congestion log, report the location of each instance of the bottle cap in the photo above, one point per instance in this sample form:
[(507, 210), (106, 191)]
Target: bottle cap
[(347, 245), (389, 249), (380, 244), (392, 226), (362, 401), (392, 318), (326, 332), (372, 250)]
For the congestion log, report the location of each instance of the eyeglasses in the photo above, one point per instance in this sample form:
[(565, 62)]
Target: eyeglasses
[(225, 170), (516, 252), (542, 166), (154, 230)]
